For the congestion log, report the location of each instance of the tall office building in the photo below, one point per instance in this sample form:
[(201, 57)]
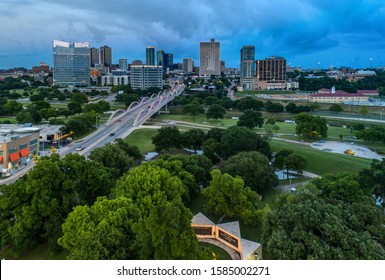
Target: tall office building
[(123, 65), (169, 61), (271, 73), (188, 65), (94, 56), (106, 56), (71, 64), (150, 55), (146, 76), (247, 67), (209, 58), (160, 58)]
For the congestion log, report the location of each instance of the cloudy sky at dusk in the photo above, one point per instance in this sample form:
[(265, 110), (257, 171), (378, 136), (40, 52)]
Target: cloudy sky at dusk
[(308, 33)]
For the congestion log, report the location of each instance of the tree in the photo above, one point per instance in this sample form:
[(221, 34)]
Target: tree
[(274, 107), (12, 107), (294, 162), (40, 104), (250, 119), (335, 108), (249, 103), (168, 137), (75, 107), (193, 109), (254, 168), (291, 108), (228, 197), (317, 223), (113, 158), (131, 151), (216, 133), (36, 206), (48, 113), (240, 139), (197, 165), (79, 98), (215, 111), (210, 149), (363, 110), (193, 139), (164, 231), (210, 100), (373, 179), (270, 121), (310, 126), (103, 231)]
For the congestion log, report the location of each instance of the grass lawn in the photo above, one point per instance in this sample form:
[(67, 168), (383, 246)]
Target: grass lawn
[(320, 162), (220, 254), (142, 139), (201, 119), (11, 119)]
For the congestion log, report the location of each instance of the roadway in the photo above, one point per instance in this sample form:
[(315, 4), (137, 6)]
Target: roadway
[(119, 127)]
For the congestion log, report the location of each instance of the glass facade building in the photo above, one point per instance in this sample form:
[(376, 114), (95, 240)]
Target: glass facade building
[(71, 64), (247, 67), (150, 55)]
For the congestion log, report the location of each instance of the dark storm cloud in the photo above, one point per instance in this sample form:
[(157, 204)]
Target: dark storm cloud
[(274, 26)]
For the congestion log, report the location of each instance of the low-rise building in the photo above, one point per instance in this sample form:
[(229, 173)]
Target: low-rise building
[(16, 147)]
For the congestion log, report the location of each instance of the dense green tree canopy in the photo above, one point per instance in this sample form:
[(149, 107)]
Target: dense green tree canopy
[(310, 126), (194, 138), (228, 197), (318, 223), (34, 208), (102, 231), (238, 139), (193, 109), (216, 111), (248, 103), (254, 168), (168, 137), (373, 179), (250, 119)]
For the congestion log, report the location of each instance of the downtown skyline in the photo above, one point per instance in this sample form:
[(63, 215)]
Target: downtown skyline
[(308, 33)]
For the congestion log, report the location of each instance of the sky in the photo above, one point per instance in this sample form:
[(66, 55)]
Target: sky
[(308, 33)]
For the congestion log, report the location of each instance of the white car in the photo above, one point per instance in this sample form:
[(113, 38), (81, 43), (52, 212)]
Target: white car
[(80, 148)]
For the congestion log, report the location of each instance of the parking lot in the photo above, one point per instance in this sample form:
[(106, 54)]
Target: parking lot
[(340, 148)]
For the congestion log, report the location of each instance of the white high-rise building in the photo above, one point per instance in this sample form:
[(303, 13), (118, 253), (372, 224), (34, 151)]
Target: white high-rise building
[(146, 76), (71, 63), (209, 58), (123, 65)]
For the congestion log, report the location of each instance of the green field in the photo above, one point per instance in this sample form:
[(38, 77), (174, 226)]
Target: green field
[(142, 139), (201, 119), (11, 119), (320, 162)]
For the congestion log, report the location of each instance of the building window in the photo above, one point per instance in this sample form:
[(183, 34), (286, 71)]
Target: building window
[(12, 150), (22, 146), (33, 142)]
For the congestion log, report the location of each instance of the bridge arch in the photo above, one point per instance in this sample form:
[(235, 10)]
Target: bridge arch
[(138, 116), (114, 115), (135, 103), (144, 100)]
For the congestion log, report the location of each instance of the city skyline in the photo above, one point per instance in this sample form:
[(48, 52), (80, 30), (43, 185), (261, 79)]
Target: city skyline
[(307, 33)]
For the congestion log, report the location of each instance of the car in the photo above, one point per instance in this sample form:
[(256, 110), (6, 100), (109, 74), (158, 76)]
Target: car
[(321, 141), (112, 134), (80, 148)]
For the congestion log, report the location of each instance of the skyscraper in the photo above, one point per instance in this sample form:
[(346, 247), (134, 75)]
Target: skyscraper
[(247, 67), (209, 58), (188, 65), (106, 56), (169, 61), (123, 65), (71, 64), (271, 73), (150, 55), (94, 56), (160, 58)]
